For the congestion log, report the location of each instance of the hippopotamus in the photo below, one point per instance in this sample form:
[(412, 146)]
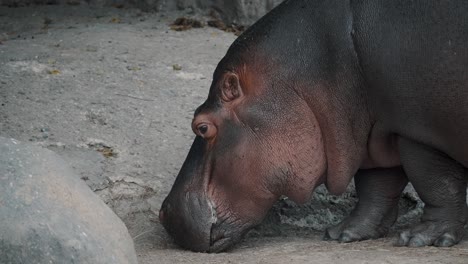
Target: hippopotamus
[(321, 92)]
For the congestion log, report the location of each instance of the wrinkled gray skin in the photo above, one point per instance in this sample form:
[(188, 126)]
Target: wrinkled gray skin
[(319, 91)]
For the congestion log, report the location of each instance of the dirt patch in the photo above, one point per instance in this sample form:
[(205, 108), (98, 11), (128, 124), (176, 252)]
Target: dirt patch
[(183, 23), (233, 28)]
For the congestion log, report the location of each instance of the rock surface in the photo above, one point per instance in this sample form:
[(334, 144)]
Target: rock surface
[(48, 215)]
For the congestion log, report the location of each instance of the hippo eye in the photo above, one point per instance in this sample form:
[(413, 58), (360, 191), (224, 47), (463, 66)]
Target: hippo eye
[(203, 129)]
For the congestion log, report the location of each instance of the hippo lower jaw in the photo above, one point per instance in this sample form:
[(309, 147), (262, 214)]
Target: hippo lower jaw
[(218, 239), (220, 245), (224, 235)]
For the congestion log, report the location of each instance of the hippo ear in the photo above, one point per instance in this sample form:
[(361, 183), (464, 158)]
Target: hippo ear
[(231, 89)]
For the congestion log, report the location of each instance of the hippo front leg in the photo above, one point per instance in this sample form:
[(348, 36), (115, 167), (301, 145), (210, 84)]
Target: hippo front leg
[(378, 191), (441, 183)]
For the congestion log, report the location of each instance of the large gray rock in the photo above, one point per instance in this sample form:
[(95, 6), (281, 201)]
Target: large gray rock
[(48, 215)]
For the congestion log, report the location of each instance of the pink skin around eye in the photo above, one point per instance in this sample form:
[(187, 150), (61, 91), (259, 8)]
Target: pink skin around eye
[(206, 130)]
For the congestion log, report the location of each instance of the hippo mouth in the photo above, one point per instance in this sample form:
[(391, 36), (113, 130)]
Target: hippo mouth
[(219, 243), (224, 231), (224, 235)]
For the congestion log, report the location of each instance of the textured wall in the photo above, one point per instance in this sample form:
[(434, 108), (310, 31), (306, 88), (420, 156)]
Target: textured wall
[(243, 12), (234, 11)]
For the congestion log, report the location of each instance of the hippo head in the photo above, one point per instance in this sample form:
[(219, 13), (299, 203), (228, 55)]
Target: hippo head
[(256, 139)]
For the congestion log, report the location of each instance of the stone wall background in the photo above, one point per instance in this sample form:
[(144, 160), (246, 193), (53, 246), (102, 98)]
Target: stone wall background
[(242, 12)]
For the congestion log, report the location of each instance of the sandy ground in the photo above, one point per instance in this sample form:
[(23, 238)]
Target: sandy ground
[(113, 92)]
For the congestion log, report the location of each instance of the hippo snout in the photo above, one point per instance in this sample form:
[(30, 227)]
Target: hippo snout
[(195, 220), (190, 220)]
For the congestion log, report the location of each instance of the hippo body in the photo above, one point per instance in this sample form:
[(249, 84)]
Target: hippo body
[(321, 91)]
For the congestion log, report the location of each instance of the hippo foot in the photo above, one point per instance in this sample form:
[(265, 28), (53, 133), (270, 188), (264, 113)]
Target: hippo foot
[(355, 229), (436, 233), (378, 191), (440, 181)]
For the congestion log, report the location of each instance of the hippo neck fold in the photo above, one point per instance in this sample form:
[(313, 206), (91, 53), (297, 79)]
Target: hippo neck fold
[(316, 59), (344, 132)]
